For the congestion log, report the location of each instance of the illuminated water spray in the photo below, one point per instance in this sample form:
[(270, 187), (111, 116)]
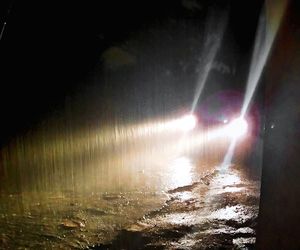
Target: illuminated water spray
[(268, 25), (214, 31)]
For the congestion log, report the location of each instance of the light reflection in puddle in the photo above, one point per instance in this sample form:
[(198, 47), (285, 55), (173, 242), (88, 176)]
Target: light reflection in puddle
[(236, 213), (230, 179), (182, 218), (241, 242), (225, 182), (229, 230), (185, 196), (181, 174), (233, 189)]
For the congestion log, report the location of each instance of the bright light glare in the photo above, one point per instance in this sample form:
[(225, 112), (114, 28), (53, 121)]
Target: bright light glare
[(181, 171), (187, 122), (237, 128)]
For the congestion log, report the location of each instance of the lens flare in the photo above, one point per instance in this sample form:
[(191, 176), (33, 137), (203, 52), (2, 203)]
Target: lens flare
[(187, 122), (237, 128)]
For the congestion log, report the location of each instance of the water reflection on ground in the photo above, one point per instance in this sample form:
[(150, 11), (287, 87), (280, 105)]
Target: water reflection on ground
[(219, 209), (84, 192), (203, 215), (181, 171)]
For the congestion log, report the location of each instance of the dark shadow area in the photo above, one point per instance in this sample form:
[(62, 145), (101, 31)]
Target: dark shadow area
[(280, 189)]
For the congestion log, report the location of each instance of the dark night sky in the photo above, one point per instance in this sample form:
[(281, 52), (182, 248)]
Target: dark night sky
[(50, 47)]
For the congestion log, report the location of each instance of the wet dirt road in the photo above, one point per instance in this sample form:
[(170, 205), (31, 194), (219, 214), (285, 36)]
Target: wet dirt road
[(218, 212)]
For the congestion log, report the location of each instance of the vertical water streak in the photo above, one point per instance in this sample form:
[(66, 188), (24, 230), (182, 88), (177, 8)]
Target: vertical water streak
[(268, 25), (214, 31)]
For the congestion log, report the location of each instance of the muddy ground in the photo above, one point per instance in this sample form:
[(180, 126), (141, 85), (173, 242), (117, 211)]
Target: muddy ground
[(218, 212)]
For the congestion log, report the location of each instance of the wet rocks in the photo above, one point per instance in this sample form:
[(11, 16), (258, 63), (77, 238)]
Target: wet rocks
[(72, 223)]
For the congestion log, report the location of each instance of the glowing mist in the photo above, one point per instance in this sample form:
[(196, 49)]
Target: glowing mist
[(214, 31), (268, 26)]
